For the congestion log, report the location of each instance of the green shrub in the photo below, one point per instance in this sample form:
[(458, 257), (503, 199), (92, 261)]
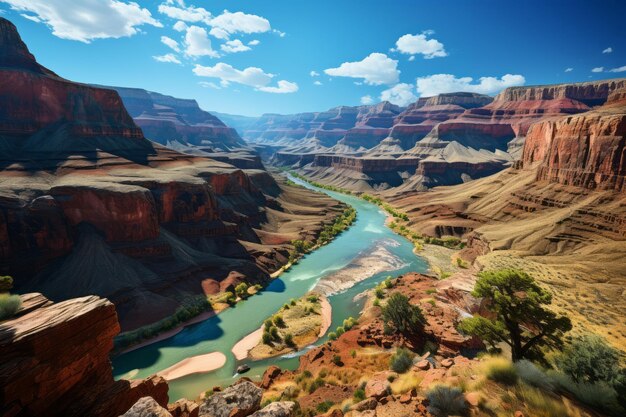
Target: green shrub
[(401, 361), (388, 283), (6, 283), (268, 324), (359, 395), (530, 374), (597, 395), (274, 333), (332, 336), (446, 401), (317, 383), (267, 338), (589, 359), (241, 290), (9, 304), (289, 340), (292, 302), (402, 315), (379, 293), (324, 406), (278, 320), (337, 360), (501, 370)]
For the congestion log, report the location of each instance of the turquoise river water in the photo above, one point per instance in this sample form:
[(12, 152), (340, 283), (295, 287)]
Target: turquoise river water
[(221, 332)]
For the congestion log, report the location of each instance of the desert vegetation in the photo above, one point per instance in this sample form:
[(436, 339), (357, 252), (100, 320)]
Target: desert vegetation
[(9, 304), (521, 317)]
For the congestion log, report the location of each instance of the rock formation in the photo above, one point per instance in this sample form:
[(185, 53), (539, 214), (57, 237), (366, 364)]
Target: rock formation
[(164, 119), (586, 150), (440, 140), (88, 205), (55, 361)]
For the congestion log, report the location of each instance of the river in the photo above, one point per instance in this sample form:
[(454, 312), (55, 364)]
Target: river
[(221, 332)]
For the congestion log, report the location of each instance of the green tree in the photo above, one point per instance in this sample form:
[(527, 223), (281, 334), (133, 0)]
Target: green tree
[(6, 283), (590, 359), (402, 315), (241, 290), (520, 317)]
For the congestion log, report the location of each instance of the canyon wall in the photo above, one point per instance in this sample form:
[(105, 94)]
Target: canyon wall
[(55, 361), (586, 150), (88, 205), (165, 119)]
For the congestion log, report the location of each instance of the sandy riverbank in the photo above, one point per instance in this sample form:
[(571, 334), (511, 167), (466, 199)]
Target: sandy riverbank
[(241, 349), (194, 365), (244, 346)]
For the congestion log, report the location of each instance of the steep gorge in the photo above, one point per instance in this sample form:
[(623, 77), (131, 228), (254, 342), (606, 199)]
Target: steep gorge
[(88, 205)]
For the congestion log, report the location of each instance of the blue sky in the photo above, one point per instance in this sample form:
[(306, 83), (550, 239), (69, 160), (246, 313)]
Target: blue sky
[(253, 57)]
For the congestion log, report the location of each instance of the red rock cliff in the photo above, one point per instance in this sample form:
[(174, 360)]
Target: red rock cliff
[(586, 150), (55, 361)]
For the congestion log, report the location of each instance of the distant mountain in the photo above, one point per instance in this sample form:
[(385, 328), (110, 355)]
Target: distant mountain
[(165, 119), (239, 123)]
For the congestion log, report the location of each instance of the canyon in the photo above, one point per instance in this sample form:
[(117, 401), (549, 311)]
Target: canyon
[(442, 140), (89, 206), (123, 208)]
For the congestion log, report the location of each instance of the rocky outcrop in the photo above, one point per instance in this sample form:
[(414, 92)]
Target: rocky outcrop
[(146, 407), (590, 93), (587, 150), (56, 361), (239, 400), (166, 119)]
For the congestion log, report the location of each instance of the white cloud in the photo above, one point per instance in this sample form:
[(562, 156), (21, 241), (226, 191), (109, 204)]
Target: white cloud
[(366, 100), (167, 58), (314, 74), (254, 42), (412, 58), (230, 23), (86, 20), (618, 69), (234, 46), (570, 69), (197, 43), (219, 33), (400, 94), (185, 13), (209, 84), (375, 69), (284, 87), (31, 18), (279, 33), (180, 26), (448, 83), (597, 69), (170, 43), (251, 76), (420, 44), (607, 50), (317, 82)]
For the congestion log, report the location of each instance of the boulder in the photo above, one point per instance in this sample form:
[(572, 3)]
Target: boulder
[(269, 376), (277, 409), (184, 408), (146, 407), (377, 388), (239, 400), (367, 404)]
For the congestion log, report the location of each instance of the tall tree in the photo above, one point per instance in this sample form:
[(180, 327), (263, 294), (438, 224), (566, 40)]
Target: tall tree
[(519, 317)]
